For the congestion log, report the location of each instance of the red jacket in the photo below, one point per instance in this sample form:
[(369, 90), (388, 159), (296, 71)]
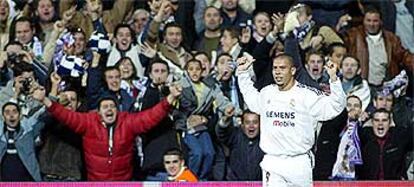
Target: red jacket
[(99, 164)]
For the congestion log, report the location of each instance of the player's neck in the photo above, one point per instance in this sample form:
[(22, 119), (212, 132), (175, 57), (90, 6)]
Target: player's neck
[(287, 86)]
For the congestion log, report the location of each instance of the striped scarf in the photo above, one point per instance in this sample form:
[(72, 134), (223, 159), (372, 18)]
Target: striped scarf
[(349, 153)]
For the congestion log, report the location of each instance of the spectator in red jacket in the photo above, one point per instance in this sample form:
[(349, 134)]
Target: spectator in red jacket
[(108, 135)]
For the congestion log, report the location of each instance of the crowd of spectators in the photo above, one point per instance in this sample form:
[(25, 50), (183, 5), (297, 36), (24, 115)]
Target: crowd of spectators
[(139, 89)]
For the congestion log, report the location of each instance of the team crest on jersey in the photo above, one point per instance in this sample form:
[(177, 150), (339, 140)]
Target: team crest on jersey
[(292, 103)]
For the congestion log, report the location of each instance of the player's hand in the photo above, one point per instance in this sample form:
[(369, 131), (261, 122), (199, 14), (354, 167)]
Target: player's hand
[(331, 68), (243, 63)]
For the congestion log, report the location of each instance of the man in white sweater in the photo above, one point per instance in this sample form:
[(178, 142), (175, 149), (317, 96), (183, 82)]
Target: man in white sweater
[(289, 112)]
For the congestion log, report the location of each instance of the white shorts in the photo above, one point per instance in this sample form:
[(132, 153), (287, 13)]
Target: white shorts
[(280, 171)]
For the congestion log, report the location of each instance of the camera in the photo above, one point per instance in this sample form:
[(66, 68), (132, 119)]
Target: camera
[(14, 58), (26, 85)]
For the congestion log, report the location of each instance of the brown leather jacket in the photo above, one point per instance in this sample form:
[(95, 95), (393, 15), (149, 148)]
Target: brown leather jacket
[(110, 18), (398, 57)]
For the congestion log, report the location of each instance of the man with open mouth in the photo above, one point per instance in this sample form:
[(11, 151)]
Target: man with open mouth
[(108, 135), (384, 148)]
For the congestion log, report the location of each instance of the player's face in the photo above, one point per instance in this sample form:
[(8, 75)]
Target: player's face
[(283, 73)]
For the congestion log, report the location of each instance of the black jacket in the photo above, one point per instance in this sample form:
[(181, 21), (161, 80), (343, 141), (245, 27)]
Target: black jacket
[(398, 142), (159, 139), (327, 145), (245, 154)]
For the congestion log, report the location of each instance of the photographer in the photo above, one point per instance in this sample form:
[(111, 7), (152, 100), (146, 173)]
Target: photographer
[(18, 89), (14, 53)]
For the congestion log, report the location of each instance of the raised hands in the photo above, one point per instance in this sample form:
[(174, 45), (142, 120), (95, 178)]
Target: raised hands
[(164, 12), (59, 26), (331, 69), (175, 92), (244, 62), (278, 21), (246, 35), (68, 15), (148, 51)]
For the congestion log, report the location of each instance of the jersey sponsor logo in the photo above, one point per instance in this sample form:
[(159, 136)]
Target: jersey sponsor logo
[(278, 123), (281, 115), (283, 119)]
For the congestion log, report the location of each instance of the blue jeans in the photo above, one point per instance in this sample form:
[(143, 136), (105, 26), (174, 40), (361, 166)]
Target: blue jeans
[(201, 153)]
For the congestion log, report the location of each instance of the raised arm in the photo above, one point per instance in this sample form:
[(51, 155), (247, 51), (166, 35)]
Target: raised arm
[(324, 107), (76, 121), (250, 94), (225, 132), (302, 76), (143, 121)]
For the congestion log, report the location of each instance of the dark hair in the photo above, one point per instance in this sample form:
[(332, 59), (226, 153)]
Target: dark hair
[(170, 25), (245, 112), (377, 94), (107, 97), (157, 61), (13, 42), (285, 56), (224, 54), (234, 32), (21, 67), (174, 151), (12, 32), (349, 56), (382, 110), (334, 45), (201, 53), (372, 9), (356, 97), (192, 60), (134, 69), (110, 68), (124, 25), (314, 52), (75, 30), (261, 13), (211, 7), (54, 5), (10, 103)]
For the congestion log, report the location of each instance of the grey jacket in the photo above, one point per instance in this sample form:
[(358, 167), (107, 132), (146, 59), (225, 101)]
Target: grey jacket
[(30, 105), (25, 142), (189, 102)]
